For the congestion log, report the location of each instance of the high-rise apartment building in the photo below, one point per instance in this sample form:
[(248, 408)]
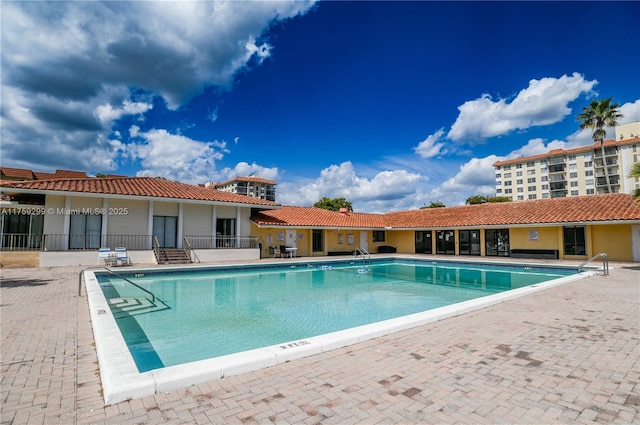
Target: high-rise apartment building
[(254, 187), (560, 173)]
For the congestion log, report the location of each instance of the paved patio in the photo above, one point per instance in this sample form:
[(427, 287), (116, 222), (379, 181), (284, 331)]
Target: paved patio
[(570, 354)]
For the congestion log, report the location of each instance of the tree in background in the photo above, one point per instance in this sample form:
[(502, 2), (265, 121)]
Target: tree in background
[(635, 172), (598, 115), (333, 204), (479, 199), (436, 204)]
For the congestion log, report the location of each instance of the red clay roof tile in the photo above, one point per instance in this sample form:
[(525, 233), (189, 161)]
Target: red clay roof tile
[(137, 186)]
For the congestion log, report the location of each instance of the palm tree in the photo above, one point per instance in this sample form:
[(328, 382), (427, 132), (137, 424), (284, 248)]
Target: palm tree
[(635, 172), (598, 115)]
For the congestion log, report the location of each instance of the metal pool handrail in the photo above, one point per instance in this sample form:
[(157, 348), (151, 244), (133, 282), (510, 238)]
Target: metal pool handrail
[(153, 297), (605, 262)]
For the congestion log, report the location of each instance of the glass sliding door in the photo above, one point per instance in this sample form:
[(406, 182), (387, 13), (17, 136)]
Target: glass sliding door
[(469, 242), (423, 242), (496, 242), (165, 229), (85, 231)]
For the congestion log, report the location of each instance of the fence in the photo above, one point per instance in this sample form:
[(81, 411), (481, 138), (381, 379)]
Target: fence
[(222, 242)]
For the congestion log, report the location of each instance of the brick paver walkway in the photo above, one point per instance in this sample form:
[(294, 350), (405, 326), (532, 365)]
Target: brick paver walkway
[(570, 354)]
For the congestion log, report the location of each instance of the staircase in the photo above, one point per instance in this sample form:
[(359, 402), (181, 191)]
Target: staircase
[(173, 256)]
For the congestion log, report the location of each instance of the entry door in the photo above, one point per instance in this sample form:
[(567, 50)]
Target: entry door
[(292, 240), (364, 240), (165, 229), (424, 243), (85, 231), (469, 242), (445, 242)]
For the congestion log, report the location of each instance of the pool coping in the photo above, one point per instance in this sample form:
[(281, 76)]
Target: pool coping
[(121, 380)]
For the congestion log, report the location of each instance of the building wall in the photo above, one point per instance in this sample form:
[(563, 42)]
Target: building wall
[(524, 238), (198, 220), (127, 217), (614, 240)]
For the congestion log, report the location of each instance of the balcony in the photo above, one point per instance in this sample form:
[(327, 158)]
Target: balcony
[(557, 160)]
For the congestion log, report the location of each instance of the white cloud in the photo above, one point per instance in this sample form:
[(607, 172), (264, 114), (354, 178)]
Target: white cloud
[(176, 157), (245, 169), (630, 112), (543, 102), (430, 147), (387, 190), (71, 69)]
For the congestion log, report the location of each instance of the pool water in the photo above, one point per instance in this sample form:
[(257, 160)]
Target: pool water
[(205, 314)]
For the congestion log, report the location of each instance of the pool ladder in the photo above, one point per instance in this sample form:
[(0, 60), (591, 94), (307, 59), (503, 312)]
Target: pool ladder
[(605, 263), (153, 297), (364, 254)]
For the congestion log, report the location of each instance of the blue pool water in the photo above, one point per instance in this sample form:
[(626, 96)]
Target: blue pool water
[(200, 314)]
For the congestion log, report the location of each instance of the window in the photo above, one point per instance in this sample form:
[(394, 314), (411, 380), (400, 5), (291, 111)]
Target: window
[(588, 173), (545, 195), (545, 187), (518, 173), (533, 196), (520, 197), (507, 175), (507, 167), (378, 235), (591, 191), (519, 181), (544, 178), (573, 166), (531, 172), (573, 175), (589, 182), (507, 183), (574, 241), (498, 175), (531, 188), (520, 190), (531, 180), (588, 164), (498, 190), (507, 191), (518, 165), (574, 193), (572, 157), (574, 184), (530, 163)]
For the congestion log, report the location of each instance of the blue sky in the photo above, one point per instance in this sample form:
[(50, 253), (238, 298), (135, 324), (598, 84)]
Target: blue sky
[(392, 105)]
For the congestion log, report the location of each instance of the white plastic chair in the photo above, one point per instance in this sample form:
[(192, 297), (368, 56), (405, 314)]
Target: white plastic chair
[(105, 255), (122, 256)]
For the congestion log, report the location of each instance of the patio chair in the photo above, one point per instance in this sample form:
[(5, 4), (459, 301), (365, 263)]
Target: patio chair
[(274, 251), (106, 256), (122, 256), (283, 250)]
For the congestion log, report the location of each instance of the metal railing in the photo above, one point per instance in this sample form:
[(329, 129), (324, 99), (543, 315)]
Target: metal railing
[(190, 252), (364, 254), (71, 242), (156, 248), (153, 297), (605, 262), (221, 242)]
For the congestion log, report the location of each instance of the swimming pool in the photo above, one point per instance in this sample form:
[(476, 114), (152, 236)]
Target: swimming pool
[(212, 322)]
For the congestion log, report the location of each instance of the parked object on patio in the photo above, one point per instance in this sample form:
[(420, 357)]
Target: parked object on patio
[(107, 256), (122, 256), (274, 251), (386, 249)]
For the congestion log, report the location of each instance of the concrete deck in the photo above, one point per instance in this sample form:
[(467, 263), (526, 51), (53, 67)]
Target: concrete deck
[(569, 354)]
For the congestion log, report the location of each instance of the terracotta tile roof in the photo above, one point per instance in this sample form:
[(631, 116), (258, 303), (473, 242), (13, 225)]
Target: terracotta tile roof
[(136, 186), (44, 176), (317, 217), (16, 173), (577, 209), (69, 174), (556, 152)]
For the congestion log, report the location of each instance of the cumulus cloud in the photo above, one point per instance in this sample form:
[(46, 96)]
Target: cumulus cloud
[(431, 146), (246, 169), (387, 190), (174, 156), (543, 102), (70, 69)]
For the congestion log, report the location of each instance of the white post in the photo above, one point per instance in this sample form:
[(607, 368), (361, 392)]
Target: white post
[(180, 223), (150, 225), (67, 222), (238, 226), (105, 216), (214, 224)]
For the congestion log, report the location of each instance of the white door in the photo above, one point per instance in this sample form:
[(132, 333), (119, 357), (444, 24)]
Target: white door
[(364, 241), (292, 241), (635, 242)]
